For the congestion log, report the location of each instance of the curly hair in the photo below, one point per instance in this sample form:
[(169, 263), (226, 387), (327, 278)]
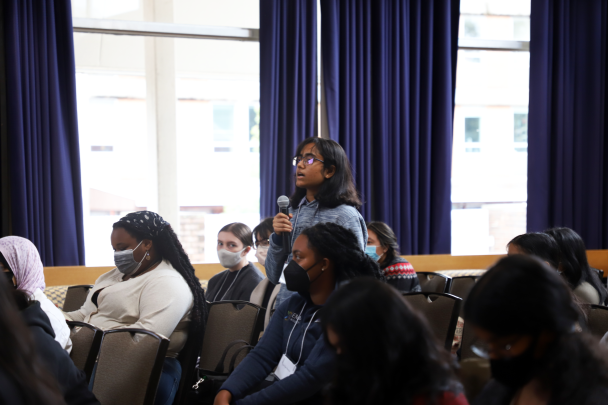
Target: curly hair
[(169, 248), (388, 354), (340, 245)]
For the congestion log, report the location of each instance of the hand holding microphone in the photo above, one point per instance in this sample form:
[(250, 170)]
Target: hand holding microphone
[(281, 224)]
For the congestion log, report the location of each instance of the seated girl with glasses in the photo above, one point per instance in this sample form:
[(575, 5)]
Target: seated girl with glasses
[(240, 278), (524, 317), (325, 192), (386, 352)]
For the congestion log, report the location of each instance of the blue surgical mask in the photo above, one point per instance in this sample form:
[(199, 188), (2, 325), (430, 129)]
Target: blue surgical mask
[(126, 263), (371, 252)]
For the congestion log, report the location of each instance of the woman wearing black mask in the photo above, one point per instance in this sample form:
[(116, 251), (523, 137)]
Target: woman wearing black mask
[(524, 317), (324, 256)]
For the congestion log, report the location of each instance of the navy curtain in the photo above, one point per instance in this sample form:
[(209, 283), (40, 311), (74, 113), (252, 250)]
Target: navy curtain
[(45, 189), (288, 92), (388, 76), (568, 113)]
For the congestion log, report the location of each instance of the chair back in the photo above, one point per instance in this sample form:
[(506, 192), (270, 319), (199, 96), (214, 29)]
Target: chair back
[(258, 293), (597, 320), (75, 297), (129, 367), (434, 282), (441, 312), (86, 341), (461, 287), (228, 322)]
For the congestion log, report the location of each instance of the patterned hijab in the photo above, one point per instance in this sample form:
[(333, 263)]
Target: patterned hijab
[(24, 260), (148, 223)]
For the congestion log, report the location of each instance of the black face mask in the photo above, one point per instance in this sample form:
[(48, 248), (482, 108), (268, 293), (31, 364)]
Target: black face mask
[(296, 277), (516, 372)]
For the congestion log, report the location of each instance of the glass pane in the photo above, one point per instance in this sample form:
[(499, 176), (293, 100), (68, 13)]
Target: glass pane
[(112, 124), (218, 119), (489, 172), (227, 13), (495, 19)]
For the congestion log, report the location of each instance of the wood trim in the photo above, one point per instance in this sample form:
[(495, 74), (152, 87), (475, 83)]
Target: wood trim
[(74, 275)]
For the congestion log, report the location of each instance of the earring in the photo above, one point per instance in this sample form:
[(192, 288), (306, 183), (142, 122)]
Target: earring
[(148, 255)]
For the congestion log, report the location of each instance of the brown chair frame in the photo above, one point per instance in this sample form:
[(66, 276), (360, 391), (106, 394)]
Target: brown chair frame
[(453, 316), (72, 287), (594, 331), (95, 346), (158, 361)]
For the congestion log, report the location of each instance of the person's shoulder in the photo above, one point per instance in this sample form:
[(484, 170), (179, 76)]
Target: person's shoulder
[(254, 271), (494, 393), (586, 292), (218, 275)]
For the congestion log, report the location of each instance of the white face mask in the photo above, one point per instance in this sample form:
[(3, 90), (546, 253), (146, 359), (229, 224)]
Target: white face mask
[(229, 259), (261, 253)]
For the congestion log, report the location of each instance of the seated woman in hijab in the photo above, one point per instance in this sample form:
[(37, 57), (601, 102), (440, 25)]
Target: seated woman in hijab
[(153, 287), (20, 262)]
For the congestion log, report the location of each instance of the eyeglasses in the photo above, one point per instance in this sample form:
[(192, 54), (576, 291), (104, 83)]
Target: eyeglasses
[(483, 350), (308, 160), (263, 243)]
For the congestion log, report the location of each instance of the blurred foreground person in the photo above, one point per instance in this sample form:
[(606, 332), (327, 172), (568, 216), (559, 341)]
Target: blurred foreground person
[(524, 317), (386, 353)]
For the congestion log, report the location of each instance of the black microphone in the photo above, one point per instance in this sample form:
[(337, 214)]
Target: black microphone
[(283, 203)]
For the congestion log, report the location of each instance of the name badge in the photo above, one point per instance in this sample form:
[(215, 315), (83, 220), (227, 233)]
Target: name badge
[(285, 368)]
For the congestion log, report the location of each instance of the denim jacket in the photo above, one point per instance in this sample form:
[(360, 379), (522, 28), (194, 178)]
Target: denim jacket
[(306, 215)]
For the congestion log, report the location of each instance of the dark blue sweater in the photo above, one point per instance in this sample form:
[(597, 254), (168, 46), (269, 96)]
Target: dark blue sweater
[(313, 372)]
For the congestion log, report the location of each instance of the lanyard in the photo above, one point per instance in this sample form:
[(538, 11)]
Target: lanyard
[(229, 287), (305, 331)]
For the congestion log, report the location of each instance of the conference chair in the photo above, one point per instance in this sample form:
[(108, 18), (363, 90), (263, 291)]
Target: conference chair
[(434, 282), (461, 287), (441, 312), (75, 297), (597, 320), (129, 367), (230, 325), (86, 341)]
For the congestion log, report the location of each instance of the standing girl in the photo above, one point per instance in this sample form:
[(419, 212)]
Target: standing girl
[(325, 192)]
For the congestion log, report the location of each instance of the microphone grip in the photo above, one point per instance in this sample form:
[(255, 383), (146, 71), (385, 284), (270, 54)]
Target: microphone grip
[(285, 235)]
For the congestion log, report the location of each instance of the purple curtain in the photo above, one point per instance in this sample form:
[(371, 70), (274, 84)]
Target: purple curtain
[(568, 127), (288, 92), (45, 188), (388, 76)]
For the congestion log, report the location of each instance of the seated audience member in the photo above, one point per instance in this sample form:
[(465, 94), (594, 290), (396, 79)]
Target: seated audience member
[(324, 256), (30, 359), (153, 287), (524, 317), (537, 244), (20, 261), (239, 279), (575, 268), (386, 353), (382, 246), (262, 233)]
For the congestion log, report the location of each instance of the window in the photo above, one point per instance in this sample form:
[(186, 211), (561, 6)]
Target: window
[(489, 168), (167, 124)]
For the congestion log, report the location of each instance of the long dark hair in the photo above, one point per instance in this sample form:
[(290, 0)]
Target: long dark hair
[(573, 263), (338, 189), (388, 354), (18, 356), (540, 245), (340, 245), (387, 239), (522, 295), (168, 246)]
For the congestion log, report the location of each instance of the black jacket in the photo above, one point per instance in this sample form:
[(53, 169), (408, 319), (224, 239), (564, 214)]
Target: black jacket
[(72, 381)]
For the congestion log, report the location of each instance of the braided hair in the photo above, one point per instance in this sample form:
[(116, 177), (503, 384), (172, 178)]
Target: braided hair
[(168, 246), (340, 245)]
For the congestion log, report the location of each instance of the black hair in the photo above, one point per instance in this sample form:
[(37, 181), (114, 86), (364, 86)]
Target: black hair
[(5, 263), (540, 245), (522, 295), (241, 231), (341, 247), (169, 248), (264, 228), (338, 189), (387, 239), (388, 354), (19, 359), (574, 264)]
